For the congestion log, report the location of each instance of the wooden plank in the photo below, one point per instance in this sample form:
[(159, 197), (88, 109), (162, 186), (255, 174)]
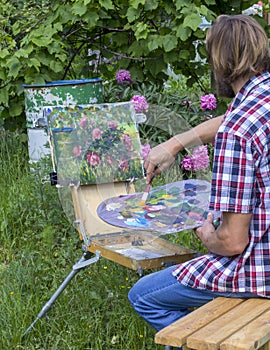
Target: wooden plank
[(266, 346), (177, 333), (251, 337), (213, 334)]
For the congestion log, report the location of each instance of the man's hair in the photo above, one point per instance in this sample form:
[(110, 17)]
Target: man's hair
[(237, 47)]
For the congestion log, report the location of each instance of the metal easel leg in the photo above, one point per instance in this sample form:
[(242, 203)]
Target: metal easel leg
[(82, 263)]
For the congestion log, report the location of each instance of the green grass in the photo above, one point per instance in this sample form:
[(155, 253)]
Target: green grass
[(39, 246)]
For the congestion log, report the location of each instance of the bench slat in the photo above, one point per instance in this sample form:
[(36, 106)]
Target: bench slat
[(177, 333), (253, 336), (210, 336)]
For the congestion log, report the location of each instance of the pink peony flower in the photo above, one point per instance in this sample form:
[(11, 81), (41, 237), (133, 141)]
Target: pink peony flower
[(140, 103), (123, 76), (96, 134), (145, 150), (208, 102), (93, 159), (83, 122), (198, 161), (123, 165), (200, 158), (112, 124), (127, 141), (187, 163), (77, 151)]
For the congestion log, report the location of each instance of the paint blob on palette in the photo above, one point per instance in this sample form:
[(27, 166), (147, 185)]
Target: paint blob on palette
[(170, 208)]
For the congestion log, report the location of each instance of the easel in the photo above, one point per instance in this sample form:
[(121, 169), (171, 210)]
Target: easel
[(103, 240)]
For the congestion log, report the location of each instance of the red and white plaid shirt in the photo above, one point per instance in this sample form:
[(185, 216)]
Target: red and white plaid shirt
[(240, 184)]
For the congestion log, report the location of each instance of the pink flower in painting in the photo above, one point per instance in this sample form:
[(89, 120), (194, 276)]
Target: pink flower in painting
[(96, 134), (123, 165), (140, 104), (127, 141), (93, 159), (77, 151), (145, 150), (208, 102), (187, 163), (109, 160), (123, 76), (83, 122), (200, 158), (112, 124)]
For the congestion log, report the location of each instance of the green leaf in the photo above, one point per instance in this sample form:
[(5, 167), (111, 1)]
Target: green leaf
[(15, 109), (107, 4), (184, 54), (41, 41), (136, 3), (183, 33), (155, 41), (132, 14), (91, 18), (169, 42), (141, 30), (156, 66), (22, 53), (4, 53), (14, 67), (33, 62), (181, 3), (210, 2), (4, 96), (58, 27), (79, 9), (56, 66), (151, 5), (192, 21), (3, 75)]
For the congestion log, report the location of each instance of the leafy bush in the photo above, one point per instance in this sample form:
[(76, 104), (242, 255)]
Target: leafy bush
[(46, 40)]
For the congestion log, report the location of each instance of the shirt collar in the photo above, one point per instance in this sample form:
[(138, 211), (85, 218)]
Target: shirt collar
[(248, 87)]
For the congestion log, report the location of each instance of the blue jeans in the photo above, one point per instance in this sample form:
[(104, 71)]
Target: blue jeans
[(160, 299)]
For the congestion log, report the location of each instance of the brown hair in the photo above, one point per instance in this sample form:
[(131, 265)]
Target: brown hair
[(237, 47)]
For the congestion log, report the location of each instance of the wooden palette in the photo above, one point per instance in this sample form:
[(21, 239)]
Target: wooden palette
[(171, 208)]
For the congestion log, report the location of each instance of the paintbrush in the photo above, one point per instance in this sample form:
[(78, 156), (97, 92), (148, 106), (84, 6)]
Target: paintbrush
[(146, 192)]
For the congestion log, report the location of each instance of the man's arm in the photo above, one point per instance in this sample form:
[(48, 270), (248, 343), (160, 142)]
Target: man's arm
[(163, 155), (230, 238)]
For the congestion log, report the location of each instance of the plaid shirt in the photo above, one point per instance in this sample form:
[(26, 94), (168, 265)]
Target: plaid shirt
[(240, 184)]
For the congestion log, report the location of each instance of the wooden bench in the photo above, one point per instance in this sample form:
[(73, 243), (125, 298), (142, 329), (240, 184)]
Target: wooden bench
[(222, 324)]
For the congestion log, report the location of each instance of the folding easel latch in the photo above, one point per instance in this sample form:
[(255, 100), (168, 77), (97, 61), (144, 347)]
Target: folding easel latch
[(85, 238)]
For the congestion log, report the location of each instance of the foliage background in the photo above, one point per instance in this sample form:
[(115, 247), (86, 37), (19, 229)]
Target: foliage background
[(47, 40)]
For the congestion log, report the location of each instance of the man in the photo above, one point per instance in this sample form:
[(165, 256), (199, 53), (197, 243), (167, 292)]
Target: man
[(238, 262)]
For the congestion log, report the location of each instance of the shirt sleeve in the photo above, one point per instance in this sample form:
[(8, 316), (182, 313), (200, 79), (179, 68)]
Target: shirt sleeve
[(233, 177)]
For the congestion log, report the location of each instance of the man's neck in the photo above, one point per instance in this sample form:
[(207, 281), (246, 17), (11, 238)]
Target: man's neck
[(238, 84)]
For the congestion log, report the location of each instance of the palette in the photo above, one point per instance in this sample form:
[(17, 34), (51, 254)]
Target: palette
[(170, 208)]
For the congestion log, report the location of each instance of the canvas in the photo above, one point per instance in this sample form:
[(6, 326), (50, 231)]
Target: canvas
[(95, 144)]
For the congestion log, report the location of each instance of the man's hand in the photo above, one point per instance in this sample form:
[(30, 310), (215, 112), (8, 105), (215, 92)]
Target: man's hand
[(159, 159), (230, 238)]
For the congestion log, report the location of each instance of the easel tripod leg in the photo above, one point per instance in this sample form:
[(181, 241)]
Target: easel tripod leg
[(82, 263)]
